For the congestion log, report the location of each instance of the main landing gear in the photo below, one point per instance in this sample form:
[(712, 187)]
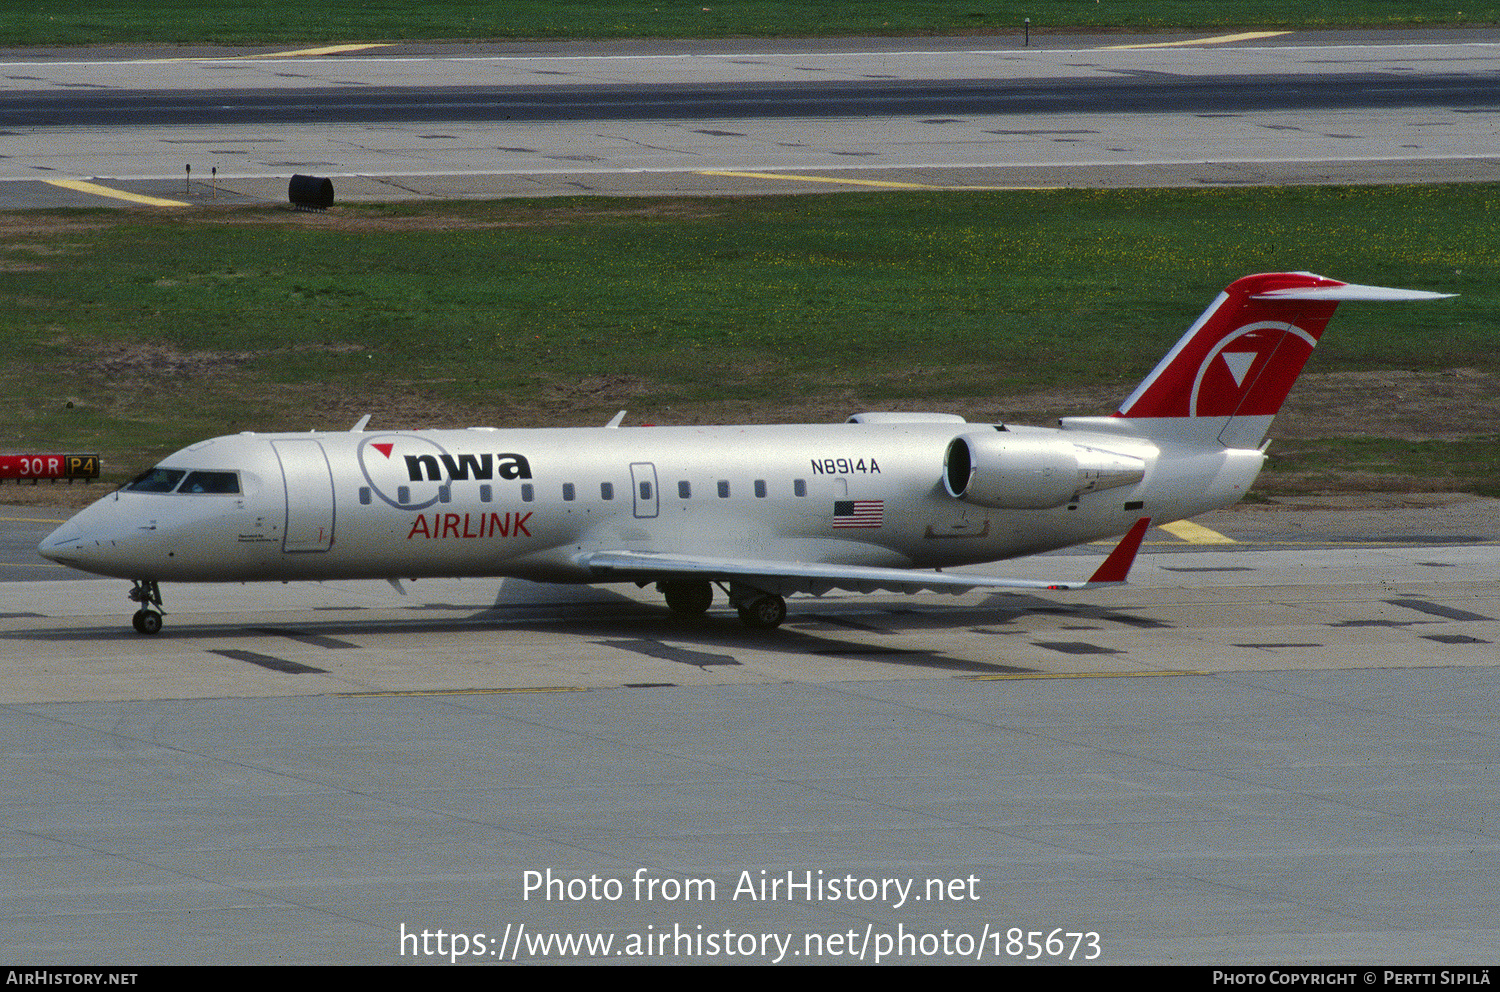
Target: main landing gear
[(147, 619), (693, 597), (686, 597), (764, 613)]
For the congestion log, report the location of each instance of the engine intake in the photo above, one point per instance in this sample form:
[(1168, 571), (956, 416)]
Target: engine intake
[(1016, 472)]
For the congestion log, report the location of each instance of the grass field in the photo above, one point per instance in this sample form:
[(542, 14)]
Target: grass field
[(136, 333), (264, 22)]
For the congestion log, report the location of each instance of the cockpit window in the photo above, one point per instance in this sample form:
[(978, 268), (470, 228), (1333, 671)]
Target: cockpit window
[(165, 480), (221, 483), (156, 480)]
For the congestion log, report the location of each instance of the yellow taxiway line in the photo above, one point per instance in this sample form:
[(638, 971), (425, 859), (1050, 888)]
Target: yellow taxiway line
[(299, 53), (1076, 675), (1220, 40), (877, 183), (458, 692), (329, 50), (82, 186), (1186, 531), (1195, 533)]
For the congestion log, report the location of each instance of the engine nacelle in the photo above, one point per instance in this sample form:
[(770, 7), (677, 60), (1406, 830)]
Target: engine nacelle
[(1024, 472)]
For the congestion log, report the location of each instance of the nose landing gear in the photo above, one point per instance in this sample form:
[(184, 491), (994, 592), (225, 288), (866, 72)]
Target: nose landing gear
[(147, 619)]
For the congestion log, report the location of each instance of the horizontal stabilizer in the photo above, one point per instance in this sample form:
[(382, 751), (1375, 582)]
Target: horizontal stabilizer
[(1350, 291)]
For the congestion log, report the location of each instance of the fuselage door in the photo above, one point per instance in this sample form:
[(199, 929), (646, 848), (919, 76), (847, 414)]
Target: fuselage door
[(643, 484), (309, 495)]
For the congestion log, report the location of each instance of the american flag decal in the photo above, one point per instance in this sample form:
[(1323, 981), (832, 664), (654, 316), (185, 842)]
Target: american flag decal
[(858, 513)]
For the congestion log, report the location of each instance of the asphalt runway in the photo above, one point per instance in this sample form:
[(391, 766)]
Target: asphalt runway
[(1277, 745)]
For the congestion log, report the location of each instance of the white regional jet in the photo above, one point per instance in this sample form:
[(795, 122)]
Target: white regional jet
[(880, 502)]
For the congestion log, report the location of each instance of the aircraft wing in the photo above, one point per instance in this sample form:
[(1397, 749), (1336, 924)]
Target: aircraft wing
[(784, 577)]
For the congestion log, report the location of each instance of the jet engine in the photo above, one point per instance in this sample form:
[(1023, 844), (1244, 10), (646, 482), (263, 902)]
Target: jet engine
[(1020, 472)]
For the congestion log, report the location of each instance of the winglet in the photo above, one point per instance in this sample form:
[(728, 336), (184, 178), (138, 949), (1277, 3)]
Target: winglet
[(1117, 566)]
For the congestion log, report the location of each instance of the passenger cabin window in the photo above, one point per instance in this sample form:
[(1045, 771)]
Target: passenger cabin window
[(156, 480), (684, 490), (799, 487), (723, 489), (606, 490), (760, 488), (568, 492), (216, 483), (527, 492)]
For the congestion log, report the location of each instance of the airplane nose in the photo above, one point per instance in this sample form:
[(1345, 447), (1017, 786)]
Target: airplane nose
[(57, 545), (94, 540)]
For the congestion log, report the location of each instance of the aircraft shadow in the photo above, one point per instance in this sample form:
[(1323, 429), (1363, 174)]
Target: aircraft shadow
[(814, 628)]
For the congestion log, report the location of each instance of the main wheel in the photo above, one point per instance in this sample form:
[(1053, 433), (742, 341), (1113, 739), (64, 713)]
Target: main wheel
[(687, 597), (765, 613), (146, 622)]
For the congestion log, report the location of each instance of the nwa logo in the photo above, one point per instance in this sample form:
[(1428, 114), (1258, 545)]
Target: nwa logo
[(507, 466), (410, 472), (1250, 371)]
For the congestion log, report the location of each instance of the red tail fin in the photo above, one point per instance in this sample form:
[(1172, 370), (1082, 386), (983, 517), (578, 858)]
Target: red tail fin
[(1242, 355), (1233, 369)]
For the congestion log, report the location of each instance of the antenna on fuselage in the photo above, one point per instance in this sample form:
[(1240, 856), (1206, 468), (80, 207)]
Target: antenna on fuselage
[(617, 419), (361, 425)]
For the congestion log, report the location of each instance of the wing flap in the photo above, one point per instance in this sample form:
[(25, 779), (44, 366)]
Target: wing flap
[(786, 577)]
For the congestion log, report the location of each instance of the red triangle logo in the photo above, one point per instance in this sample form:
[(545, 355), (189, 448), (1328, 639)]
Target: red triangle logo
[(384, 449)]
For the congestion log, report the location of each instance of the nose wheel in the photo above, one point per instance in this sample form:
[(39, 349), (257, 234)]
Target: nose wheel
[(147, 619)]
